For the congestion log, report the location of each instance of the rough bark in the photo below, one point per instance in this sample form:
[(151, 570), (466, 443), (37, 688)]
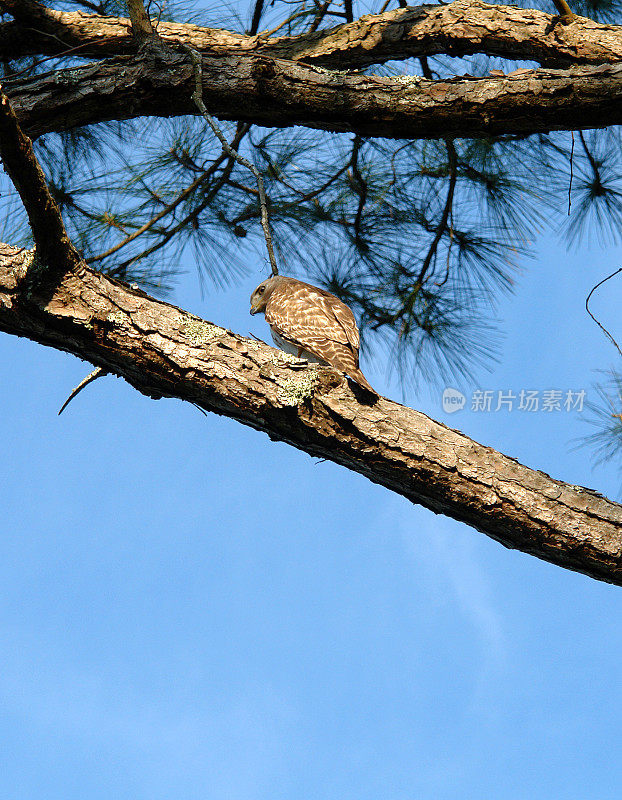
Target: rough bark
[(163, 351), (282, 93), (460, 28), (44, 217)]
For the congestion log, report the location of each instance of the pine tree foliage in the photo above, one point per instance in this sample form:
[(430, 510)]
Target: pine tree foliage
[(605, 417), (420, 237)]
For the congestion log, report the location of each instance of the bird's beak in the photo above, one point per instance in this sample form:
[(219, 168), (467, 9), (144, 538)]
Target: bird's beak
[(254, 309)]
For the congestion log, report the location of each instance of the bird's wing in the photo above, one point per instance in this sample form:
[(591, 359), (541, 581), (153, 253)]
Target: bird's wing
[(304, 314)]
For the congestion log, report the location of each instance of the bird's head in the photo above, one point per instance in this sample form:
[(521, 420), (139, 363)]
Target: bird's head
[(261, 295)]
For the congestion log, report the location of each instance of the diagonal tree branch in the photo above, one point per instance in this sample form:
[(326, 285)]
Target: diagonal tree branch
[(54, 248), (163, 351), (526, 101), (460, 28)]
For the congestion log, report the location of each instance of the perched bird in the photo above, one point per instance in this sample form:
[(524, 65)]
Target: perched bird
[(310, 323)]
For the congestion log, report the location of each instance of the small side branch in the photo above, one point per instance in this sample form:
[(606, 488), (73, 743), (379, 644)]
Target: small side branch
[(442, 225), (93, 376), (53, 245), (197, 97), (587, 308), (565, 12), (141, 24)]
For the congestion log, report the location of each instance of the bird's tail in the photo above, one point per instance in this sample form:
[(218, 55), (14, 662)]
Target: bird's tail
[(358, 376)]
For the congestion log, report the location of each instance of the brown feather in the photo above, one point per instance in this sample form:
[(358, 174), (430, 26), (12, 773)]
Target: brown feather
[(314, 321)]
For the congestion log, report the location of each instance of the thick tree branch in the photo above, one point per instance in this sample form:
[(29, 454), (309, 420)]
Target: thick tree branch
[(54, 248), (526, 101), (162, 351), (141, 24), (460, 28)]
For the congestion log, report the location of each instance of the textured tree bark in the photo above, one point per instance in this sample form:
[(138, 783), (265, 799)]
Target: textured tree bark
[(460, 28), (163, 351), (44, 217), (282, 93)]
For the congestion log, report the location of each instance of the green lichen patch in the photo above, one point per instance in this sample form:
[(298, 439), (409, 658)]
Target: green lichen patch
[(407, 80), (68, 77), (118, 317), (33, 269), (199, 332), (281, 357), (30, 260), (33, 265), (294, 391)]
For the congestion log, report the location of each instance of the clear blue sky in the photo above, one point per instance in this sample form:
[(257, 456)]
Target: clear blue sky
[(188, 610)]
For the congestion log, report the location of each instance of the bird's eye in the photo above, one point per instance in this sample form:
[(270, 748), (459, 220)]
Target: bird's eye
[(261, 289)]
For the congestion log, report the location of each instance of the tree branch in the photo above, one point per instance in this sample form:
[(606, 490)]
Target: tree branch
[(163, 351), (526, 101), (54, 248), (141, 24), (460, 28), (565, 11)]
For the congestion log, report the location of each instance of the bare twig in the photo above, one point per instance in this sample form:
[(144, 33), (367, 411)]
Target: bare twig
[(587, 308), (442, 225), (54, 248), (97, 373), (197, 96), (360, 187)]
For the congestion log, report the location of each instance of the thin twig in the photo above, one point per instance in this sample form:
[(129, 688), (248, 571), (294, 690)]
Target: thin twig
[(190, 218), (197, 96), (322, 10), (295, 15), (591, 159), (304, 197), (61, 54), (451, 241), (587, 308), (93, 376), (442, 225)]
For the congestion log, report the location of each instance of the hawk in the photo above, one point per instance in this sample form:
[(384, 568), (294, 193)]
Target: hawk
[(310, 323)]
